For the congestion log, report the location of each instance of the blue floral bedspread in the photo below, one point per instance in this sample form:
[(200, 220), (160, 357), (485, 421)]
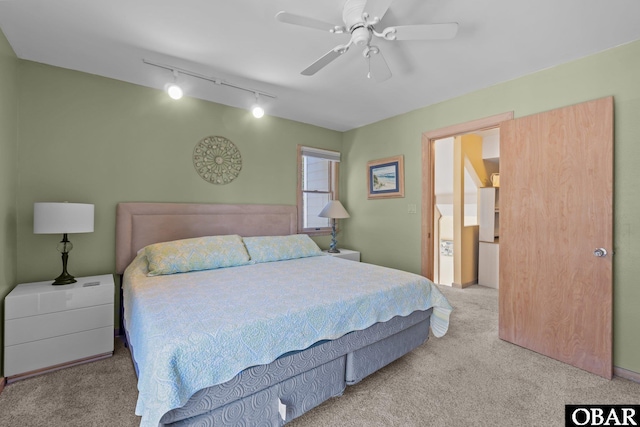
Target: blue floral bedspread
[(195, 330)]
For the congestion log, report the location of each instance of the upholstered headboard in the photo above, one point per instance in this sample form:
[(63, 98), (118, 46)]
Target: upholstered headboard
[(141, 224)]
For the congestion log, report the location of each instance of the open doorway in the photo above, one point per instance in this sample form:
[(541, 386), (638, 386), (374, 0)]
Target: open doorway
[(455, 210), (465, 232), (429, 245)]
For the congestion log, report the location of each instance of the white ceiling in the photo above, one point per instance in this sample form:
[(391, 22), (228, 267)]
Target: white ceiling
[(240, 41)]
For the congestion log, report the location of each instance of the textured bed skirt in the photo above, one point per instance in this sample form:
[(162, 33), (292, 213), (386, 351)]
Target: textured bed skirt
[(273, 394)]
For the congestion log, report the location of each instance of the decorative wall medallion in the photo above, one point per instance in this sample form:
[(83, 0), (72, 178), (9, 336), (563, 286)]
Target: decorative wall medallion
[(217, 160)]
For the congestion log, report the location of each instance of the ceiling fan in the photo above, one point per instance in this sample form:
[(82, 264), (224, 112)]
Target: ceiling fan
[(361, 17)]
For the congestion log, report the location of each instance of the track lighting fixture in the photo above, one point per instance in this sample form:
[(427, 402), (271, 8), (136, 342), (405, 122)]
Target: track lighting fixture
[(176, 92)]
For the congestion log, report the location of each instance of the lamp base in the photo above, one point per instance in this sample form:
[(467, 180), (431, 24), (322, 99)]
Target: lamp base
[(333, 246), (64, 279)]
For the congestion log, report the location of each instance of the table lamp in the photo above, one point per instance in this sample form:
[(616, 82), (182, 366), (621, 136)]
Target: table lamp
[(63, 218), (334, 210)]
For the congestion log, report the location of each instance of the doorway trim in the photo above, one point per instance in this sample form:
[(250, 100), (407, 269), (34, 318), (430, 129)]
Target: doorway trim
[(428, 175)]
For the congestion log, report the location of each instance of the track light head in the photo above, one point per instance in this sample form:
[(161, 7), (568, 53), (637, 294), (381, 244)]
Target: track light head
[(256, 109), (175, 91)]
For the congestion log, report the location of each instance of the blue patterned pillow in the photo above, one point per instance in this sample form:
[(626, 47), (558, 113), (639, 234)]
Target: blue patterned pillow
[(279, 248), (201, 253)]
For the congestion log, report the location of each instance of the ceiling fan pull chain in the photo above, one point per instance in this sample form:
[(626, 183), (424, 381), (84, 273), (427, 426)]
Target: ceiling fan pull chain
[(367, 54)]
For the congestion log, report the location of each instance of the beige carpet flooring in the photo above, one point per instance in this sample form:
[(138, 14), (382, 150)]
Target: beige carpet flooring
[(468, 377)]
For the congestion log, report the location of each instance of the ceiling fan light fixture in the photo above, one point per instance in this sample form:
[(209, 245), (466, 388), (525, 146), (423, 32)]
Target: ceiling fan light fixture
[(361, 36)]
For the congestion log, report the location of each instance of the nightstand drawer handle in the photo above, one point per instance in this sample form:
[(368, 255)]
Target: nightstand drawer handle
[(90, 284)]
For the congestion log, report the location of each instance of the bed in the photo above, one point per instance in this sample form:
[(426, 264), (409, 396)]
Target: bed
[(271, 329)]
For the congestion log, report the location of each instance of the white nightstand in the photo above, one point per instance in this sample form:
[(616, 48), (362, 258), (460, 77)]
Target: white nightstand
[(48, 327), (347, 254)]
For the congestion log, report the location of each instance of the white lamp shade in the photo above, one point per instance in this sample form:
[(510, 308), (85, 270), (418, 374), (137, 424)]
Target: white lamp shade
[(60, 218), (334, 209)]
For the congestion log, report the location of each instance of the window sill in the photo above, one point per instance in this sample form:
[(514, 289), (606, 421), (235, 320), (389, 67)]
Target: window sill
[(321, 232)]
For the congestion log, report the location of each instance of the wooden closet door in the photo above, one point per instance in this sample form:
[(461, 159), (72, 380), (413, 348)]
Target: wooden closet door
[(556, 209)]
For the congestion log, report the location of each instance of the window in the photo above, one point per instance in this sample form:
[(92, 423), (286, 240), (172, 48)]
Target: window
[(317, 185)]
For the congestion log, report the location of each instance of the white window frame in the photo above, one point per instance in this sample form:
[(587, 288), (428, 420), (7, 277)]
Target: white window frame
[(334, 157)]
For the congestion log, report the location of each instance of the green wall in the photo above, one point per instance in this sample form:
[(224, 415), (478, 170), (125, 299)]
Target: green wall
[(8, 161), (90, 139), (387, 235)]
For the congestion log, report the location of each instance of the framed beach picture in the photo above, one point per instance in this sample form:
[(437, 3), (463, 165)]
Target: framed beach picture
[(385, 178)]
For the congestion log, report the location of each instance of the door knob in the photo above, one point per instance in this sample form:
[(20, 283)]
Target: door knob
[(600, 252)]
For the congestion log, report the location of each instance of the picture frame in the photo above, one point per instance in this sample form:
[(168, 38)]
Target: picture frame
[(385, 178)]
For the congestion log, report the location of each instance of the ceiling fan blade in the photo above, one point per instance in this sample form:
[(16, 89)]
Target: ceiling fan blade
[(377, 9), (324, 60), (422, 32), (304, 21), (378, 67)]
